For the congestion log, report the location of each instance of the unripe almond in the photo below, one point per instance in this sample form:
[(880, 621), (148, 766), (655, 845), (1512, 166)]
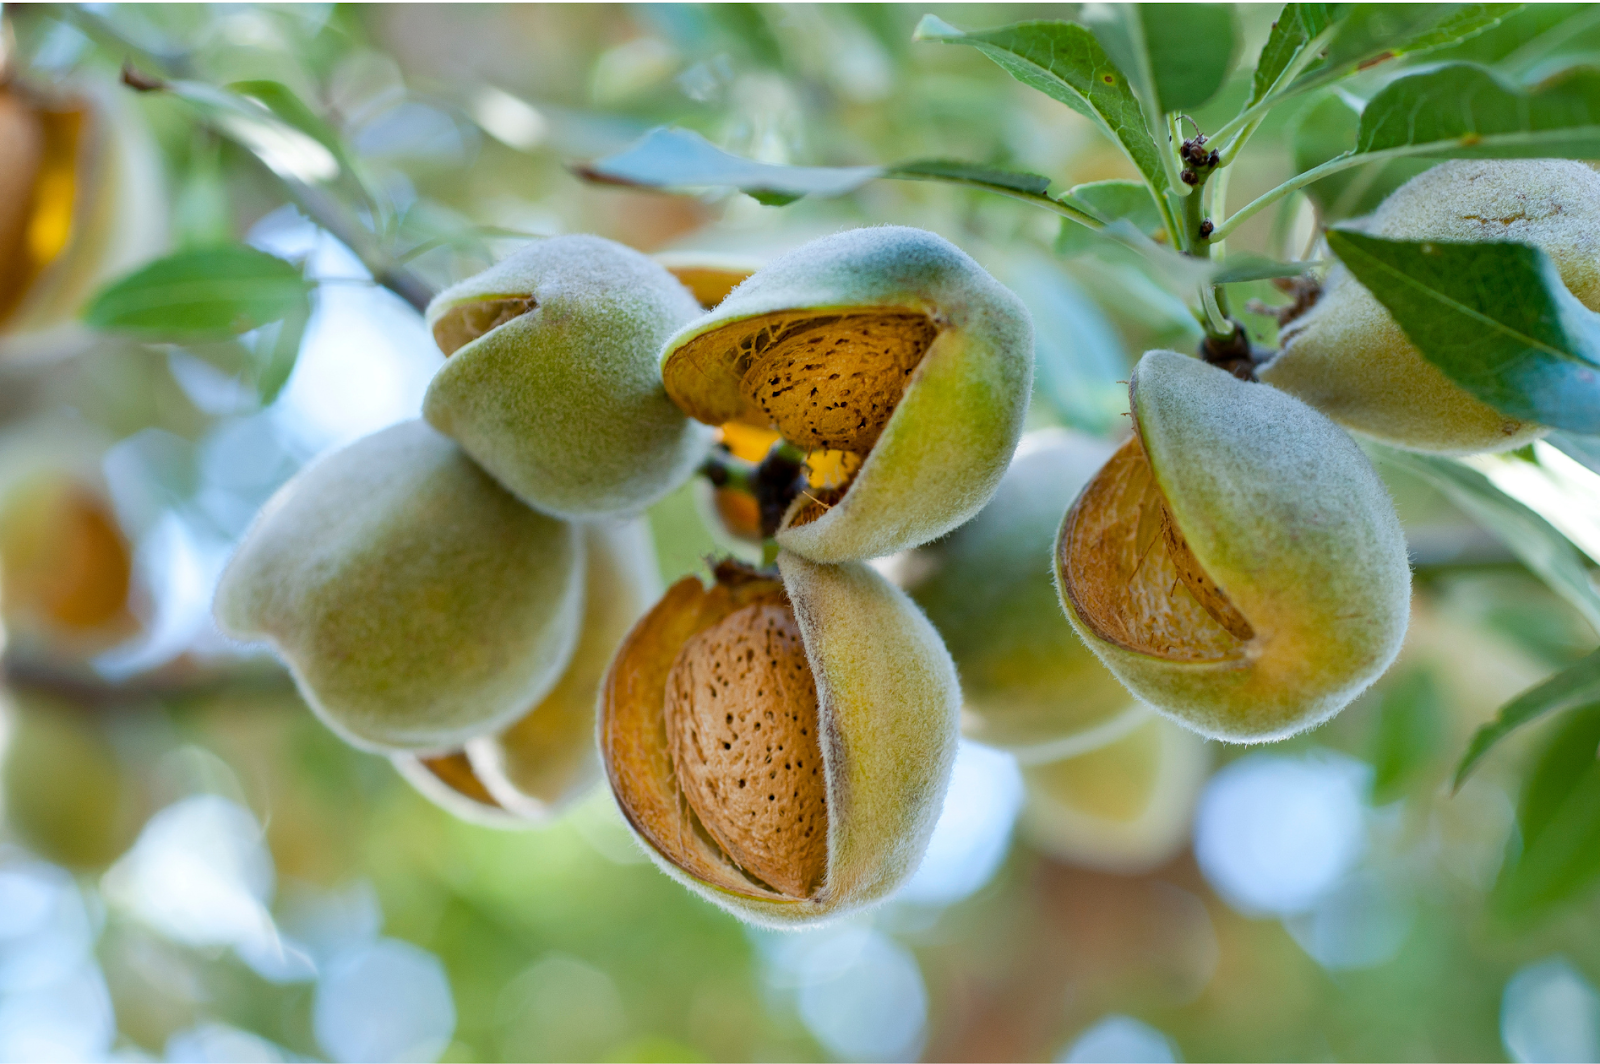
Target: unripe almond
[(1347, 356), (547, 759), (416, 602), (781, 745), (1030, 686), (83, 202), (893, 359), (450, 782), (1237, 564), (552, 383), (1125, 807)]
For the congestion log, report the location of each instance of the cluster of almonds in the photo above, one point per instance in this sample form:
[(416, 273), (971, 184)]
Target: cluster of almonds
[(472, 593)]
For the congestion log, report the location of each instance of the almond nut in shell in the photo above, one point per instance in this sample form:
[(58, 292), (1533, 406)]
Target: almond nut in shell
[(892, 360), (417, 603), (552, 382), (1237, 563), (781, 744)]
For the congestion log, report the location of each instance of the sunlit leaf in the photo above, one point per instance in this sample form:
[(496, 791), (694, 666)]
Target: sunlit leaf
[(1495, 317), (200, 294), (288, 151), (681, 158), (1533, 540), (1065, 62), (283, 103), (1559, 823)]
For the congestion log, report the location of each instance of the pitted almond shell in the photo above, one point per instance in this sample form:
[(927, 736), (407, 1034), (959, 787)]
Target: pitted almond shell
[(886, 353), (1348, 358), (450, 782), (1237, 564), (545, 761), (85, 203), (886, 701), (1124, 808), (416, 602), (1030, 686), (552, 384)]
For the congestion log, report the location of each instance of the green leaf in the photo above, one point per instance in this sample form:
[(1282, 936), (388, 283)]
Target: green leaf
[(277, 351), (1328, 130), (1108, 201), (287, 151), (1295, 28), (1247, 266), (201, 294), (1496, 318), (1410, 728), (1559, 824), (285, 105), (681, 158), (1078, 356), (1463, 111), (968, 174), (1534, 541), (1065, 62), (1574, 686), (1190, 48), (1369, 34)]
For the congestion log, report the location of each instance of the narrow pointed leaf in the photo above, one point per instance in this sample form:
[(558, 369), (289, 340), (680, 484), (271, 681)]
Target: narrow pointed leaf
[(1065, 62), (201, 294), (1369, 34), (1296, 27), (1574, 686), (1535, 542)]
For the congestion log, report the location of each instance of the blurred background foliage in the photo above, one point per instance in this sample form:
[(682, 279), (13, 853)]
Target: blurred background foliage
[(192, 869)]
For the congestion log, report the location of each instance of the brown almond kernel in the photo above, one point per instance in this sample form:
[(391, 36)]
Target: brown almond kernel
[(741, 721)]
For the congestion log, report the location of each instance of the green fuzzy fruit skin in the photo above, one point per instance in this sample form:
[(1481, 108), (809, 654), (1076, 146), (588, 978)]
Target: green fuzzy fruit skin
[(538, 767), (416, 602), (1030, 685), (1287, 516), (564, 404), (1349, 359), (943, 452), (888, 702), (1124, 808)]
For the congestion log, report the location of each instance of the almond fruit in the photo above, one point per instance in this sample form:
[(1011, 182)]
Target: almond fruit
[(1347, 357), (417, 603), (552, 382), (1237, 564), (893, 359), (781, 744)]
